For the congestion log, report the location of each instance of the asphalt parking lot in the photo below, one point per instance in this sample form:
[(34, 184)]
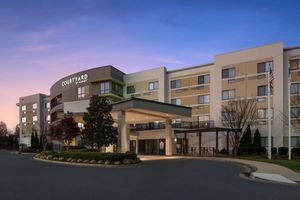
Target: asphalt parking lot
[(22, 177)]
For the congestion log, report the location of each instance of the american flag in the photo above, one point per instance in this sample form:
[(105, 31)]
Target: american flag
[(271, 79)]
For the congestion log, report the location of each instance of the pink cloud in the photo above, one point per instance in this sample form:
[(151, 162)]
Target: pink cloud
[(36, 47)]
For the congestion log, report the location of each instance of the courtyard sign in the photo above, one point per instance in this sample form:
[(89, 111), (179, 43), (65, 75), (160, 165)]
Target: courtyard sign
[(76, 80)]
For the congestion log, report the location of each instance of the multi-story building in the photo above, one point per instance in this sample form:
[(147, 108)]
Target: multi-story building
[(34, 115), (204, 88)]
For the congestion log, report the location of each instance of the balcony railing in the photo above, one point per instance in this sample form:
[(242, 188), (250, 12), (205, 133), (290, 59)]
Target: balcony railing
[(161, 125)]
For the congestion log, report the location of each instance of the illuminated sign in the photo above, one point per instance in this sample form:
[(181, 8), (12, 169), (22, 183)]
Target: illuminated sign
[(75, 80)]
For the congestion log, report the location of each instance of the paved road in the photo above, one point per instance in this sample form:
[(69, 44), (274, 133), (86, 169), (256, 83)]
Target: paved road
[(21, 177)]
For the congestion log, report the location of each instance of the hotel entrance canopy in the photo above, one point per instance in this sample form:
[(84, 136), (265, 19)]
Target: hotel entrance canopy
[(135, 110)]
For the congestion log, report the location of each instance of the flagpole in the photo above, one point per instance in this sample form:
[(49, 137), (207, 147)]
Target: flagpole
[(289, 111), (269, 118)]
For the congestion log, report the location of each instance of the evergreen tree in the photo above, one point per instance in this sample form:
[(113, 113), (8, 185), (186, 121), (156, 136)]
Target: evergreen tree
[(36, 141), (246, 140), (99, 123), (257, 139), (32, 141)]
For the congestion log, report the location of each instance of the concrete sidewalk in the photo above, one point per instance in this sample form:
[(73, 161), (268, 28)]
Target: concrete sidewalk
[(262, 170)]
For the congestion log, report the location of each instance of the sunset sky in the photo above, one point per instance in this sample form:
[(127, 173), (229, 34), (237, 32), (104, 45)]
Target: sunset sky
[(42, 41)]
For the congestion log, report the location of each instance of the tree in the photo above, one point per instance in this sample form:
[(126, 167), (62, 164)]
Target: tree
[(246, 139), (32, 140), (238, 114), (99, 123), (69, 128), (36, 141), (17, 131), (257, 139), (3, 129)]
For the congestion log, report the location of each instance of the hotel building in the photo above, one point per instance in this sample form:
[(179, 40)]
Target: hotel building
[(192, 97)]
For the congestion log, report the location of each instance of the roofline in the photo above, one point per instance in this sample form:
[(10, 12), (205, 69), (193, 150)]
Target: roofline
[(291, 48), (192, 67), (248, 48), (146, 100)]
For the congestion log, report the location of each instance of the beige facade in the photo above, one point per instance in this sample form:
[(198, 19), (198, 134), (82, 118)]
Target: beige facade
[(204, 88)]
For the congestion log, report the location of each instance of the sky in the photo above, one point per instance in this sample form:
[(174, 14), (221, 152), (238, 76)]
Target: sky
[(42, 41)]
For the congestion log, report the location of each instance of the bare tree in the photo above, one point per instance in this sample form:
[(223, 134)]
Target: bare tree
[(238, 114), (3, 129)]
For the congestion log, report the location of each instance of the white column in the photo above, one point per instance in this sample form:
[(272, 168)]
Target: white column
[(123, 132), (169, 141)]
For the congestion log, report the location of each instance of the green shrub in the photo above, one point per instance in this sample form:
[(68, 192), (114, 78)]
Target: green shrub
[(283, 151), (296, 152), (273, 150), (71, 156)]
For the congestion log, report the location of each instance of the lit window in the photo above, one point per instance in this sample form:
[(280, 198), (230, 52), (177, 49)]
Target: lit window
[(228, 94), (204, 118), (176, 101), (264, 67), (294, 88), (48, 105), (104, 87), (153, 85), (130, 89), (80, 125), (34, 106), (23, 108), (48, 118), (262, 113), (262, 90), (228, 73), (34, 118), (23, 119), (82, 92), (203, 79), (203, 99), (175, 84)]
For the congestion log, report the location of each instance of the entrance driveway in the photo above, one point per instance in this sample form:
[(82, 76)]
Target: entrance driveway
[(21, 177)]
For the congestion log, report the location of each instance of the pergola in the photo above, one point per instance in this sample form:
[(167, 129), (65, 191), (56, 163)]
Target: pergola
[(215, 130)]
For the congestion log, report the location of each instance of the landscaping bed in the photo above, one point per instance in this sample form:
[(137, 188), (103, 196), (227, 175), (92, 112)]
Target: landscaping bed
[(90, 157)]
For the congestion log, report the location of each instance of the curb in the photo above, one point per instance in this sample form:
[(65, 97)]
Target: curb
[(88, 165)]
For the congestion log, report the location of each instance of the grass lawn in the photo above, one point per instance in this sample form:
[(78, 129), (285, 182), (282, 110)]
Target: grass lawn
[(292, 164)]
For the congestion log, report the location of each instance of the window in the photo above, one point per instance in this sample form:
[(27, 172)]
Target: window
[(264, 141), (48, 118), (23, 108), (294, 64), (117, 88), (34, 106), (104, 87), (130, 89), (176, 101), (82, 92), (294, 88), (295, 140), (48, 105), (203, 99), (203, 79), (228, 94), (204, 118), (228, 116), (23, 119), (295, 112), (175, 84), (262, 90), (263, 113), (264, 67), (80, 125), (153, 85), (228, 73), (34, 118)]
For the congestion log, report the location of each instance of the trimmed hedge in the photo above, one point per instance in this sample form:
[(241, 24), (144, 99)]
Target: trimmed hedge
[(252, 150), (96, 156), (296, 151), (283, 151)]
